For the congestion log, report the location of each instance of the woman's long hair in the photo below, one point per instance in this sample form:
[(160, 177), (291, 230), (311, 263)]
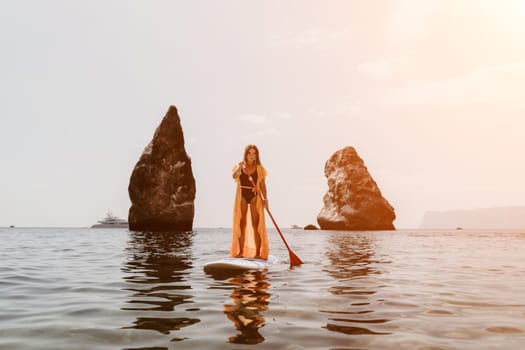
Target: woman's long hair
[(247, 149)]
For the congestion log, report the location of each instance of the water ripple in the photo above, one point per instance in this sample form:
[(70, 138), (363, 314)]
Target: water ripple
[(114, 289)]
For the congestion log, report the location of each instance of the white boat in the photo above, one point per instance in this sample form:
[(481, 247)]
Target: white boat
[(111, 221)]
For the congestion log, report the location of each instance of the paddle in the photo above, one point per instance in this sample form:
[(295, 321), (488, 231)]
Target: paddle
[(294, 259)]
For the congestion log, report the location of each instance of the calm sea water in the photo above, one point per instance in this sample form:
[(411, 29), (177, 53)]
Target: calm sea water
[(114, 289)]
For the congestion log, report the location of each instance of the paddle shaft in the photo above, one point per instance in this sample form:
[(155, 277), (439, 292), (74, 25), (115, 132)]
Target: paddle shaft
[(294, 259)]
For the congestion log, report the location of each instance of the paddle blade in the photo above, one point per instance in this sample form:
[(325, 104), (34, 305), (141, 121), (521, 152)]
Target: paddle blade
[(294, 259)]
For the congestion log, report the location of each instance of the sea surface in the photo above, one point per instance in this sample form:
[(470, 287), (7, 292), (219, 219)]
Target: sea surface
[(71, 288)]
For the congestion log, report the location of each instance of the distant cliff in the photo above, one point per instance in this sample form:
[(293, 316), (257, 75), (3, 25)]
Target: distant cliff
[(486, 218)]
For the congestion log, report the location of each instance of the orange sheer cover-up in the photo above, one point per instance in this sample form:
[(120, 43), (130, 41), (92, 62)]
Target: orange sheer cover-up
[(249, 250)]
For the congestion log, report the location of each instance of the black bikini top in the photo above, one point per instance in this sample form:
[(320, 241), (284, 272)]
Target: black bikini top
[(245, 179)]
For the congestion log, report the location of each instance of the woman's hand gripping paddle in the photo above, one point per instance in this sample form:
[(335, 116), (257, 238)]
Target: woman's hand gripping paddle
[(294, 259)]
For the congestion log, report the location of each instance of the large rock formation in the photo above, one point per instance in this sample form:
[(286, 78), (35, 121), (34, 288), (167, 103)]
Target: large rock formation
[(353, 200), (162, 186)]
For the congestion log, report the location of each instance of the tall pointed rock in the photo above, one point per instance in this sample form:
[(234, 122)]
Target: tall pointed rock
[(353, 200), (162, 186)]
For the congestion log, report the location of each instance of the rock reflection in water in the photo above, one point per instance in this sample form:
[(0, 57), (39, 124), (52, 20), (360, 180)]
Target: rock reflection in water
[(249, 298), (157, 264), (353, 261), (351, 256)]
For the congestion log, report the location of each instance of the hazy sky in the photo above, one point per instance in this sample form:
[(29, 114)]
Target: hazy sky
[(430, 93)]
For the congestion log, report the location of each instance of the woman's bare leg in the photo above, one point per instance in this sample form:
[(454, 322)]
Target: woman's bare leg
[(255, 223), (244, 211)]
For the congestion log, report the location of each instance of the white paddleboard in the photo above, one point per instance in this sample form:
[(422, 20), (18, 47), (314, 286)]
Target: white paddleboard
[(238, 264)]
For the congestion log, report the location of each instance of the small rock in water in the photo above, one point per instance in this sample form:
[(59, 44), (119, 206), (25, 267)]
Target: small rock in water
[(311, 227)]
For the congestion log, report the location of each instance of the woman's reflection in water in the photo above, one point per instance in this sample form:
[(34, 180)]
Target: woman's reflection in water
[(249, 299)]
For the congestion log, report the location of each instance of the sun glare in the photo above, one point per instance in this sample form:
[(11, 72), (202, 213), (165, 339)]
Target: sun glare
[(518, 5), (512, 11)]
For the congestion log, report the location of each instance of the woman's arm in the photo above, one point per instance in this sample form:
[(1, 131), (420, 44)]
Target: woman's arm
[(263, 192), (263, 188), (237, 169)]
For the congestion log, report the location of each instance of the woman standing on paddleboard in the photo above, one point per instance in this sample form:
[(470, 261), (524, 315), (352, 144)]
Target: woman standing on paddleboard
[(249, 236)]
